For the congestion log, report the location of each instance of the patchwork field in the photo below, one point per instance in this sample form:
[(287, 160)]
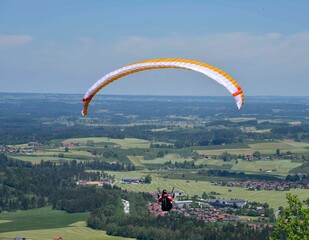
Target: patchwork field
[(214, 152), (135, 149), (37, 159), (123, 143), (264, 148), (54, 155)]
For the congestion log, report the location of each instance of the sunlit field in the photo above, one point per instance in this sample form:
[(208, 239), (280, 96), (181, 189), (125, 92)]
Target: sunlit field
[(137, 160), (278, 166), (45, 223), (190, 187), (263, 148), (123, 143)]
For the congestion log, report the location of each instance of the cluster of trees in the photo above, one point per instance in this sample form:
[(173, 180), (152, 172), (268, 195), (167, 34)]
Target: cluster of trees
[(183, 165), (296, 132), (24, 185), (104, 153), (225, 156), (102, 165), (185, 137), (250, 209), (161, 145), (296, 177), (237, 175), (86, 198)]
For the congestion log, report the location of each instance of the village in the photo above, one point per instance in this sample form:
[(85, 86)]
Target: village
[(214, 210), (268, 185), (29, 149)]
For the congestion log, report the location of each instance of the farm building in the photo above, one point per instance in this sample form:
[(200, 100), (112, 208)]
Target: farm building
[(132, 180), (227, 203), (180, 204), (176, 193), (93, 183), (69, 144)]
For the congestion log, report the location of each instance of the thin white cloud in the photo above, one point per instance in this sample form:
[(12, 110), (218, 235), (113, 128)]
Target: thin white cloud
[(14, 40), (271, 47)]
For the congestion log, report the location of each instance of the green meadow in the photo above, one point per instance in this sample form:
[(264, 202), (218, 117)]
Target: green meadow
[(45, 223), (264, 148), (123, 143), (38, 159), (190, 187), (278, 166)]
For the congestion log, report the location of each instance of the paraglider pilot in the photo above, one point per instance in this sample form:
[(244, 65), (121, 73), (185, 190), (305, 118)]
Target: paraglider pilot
[(166, 200)]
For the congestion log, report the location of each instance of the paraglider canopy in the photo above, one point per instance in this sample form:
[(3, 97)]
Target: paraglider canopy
[(212, 72)]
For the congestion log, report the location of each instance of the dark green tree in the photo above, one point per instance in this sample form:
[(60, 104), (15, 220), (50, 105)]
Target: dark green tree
[(148, 179), (294, 221)]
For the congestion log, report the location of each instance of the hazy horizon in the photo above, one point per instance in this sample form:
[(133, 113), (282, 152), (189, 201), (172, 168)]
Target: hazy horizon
[(149, 95)]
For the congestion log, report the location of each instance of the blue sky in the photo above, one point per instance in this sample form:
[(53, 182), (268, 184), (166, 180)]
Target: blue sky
[(64, 46)]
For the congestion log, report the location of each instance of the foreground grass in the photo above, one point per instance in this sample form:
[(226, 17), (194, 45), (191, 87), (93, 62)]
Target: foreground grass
[(76, 231), (41, 218), (45, 223)]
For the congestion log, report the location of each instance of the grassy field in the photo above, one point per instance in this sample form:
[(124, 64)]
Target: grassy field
[(236, 151), (53, 155), (173, 157), (76, 231), (123, 143), (136, 160), (37, 159), (264, 148), (41, 218), (45, 223), (71, 152), (278, 166), (273, 198)]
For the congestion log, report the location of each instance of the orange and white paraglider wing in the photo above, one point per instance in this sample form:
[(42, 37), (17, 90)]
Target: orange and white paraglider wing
[(212, 72)]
